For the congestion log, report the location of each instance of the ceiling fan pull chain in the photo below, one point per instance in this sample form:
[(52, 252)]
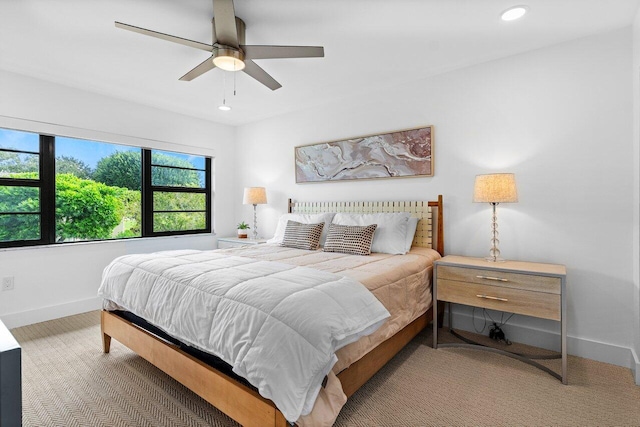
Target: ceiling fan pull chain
[(224, 89), (224, 106)]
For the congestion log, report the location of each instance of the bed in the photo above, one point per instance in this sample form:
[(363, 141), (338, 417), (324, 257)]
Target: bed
[(357, 362)]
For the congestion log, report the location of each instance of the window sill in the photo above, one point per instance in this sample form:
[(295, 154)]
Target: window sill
[(107, 242)]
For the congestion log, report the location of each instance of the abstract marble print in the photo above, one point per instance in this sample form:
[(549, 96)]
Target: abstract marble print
[(404, 153)]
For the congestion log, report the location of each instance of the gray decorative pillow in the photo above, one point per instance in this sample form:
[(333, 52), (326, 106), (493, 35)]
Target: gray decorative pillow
[(350, 239), (302, 236)]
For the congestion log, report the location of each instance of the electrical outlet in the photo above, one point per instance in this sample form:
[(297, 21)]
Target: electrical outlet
[(7, 283)]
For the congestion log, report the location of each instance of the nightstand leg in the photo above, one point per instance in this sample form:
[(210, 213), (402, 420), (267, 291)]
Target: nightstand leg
[(441, 306), (564, 359), (435, 328), (434, 308), (563, 329)]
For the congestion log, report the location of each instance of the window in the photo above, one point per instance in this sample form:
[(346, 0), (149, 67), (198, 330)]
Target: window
[(22, 188), (98, 189), (177, 191), (58, 189)]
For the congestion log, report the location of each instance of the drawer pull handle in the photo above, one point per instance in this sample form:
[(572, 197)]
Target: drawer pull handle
[(498, 279), (493, 298)]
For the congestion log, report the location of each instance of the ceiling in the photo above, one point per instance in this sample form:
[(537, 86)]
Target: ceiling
[(368, 44)]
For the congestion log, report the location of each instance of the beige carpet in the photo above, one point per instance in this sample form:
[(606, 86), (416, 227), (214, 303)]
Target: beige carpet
[(68, 381)]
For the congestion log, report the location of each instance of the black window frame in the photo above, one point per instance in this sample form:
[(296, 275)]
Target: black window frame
[(46, 183), (46, 186), (148, 190)]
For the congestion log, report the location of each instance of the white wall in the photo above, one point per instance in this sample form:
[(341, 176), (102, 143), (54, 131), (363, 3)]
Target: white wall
[(636, 189), (61, 280), (560, 118)]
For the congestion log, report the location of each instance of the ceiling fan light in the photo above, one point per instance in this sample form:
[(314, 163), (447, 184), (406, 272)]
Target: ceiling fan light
[(514, 13), (229, 59)]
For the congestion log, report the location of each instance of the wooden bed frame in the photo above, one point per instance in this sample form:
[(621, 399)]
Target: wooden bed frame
[(242, 403)]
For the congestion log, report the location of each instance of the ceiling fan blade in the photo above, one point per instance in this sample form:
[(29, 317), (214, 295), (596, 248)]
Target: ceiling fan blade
[(179, 40), (268, 52), (204, 66), (225, 23), (260, 75)]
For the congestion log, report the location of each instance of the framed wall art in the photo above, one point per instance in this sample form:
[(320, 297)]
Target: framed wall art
[(400, 154)]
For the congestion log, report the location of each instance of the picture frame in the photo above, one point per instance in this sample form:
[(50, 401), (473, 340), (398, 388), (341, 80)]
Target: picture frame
[(399, 154)]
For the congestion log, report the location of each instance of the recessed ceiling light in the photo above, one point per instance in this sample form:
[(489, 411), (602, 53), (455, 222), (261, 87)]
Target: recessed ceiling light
[(514, 13), (224, 107)]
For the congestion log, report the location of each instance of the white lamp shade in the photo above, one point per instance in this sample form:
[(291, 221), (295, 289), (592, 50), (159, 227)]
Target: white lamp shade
[(495, 188), (255, 196)]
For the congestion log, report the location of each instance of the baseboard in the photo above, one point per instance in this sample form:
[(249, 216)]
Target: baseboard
[(582, 347), (15, 320)]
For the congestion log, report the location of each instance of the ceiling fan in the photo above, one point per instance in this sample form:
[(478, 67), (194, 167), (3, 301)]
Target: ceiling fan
[(228, 49)]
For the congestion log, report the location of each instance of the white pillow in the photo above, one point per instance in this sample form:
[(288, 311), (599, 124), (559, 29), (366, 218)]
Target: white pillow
[(391, 233), (411, 232), (304, 219)]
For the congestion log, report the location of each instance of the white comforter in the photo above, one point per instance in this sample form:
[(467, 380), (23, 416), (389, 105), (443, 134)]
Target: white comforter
[(277, 325)]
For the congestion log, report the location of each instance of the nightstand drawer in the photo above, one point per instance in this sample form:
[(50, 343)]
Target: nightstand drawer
[(538, 304), (501, 278)]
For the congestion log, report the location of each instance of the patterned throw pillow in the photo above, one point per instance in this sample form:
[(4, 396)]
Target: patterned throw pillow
[(302, 236), (350, 239)]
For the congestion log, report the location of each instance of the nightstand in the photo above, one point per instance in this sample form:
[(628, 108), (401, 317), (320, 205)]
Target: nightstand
[(527, 288), (234, 242)]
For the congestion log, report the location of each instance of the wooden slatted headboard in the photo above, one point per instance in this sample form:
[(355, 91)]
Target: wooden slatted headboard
[(430, 230)]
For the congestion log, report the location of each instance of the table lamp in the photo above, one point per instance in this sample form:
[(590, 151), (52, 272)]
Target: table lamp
[(495, 188), (255, 196)]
